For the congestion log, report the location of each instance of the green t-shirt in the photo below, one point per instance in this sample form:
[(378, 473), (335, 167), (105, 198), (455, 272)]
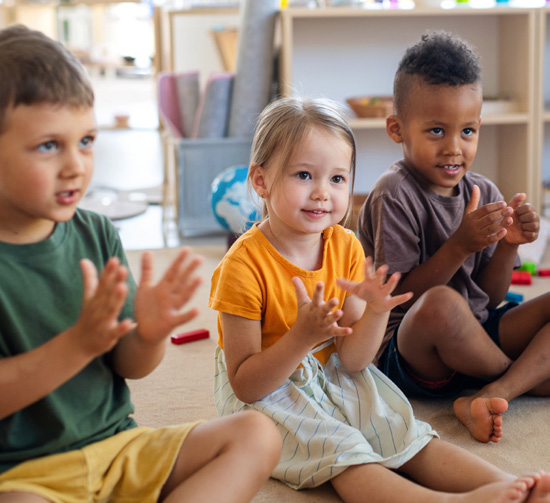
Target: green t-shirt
[(40, 296)]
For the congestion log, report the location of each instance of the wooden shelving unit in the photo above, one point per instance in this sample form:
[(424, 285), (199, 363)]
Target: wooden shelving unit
[(345, 52)]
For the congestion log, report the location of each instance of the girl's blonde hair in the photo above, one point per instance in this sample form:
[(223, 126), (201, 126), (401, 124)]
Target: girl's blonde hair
[(281, 127)]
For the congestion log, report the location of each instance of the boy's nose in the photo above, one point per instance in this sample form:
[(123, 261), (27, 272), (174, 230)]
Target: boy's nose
[(452, 146), (73, 165)]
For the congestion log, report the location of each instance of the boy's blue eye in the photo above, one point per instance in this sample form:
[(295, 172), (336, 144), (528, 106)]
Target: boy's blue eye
[(437, 130), (48, 146), (87, 142), (303, 175), (468, 131)]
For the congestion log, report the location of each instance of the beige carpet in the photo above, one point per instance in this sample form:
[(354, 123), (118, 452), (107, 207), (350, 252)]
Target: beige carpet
[(180, 390)]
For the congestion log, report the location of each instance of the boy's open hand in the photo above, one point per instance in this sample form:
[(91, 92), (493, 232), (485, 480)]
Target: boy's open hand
[(317, 318), (374, 289), (157, 307), (481, 227), (98, 327), (526, 222)]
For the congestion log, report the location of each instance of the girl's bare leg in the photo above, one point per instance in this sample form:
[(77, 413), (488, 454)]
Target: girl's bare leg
[(224, 460)]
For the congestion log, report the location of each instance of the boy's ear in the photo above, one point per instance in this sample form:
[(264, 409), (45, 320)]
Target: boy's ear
[(393, 128), (257, 180)]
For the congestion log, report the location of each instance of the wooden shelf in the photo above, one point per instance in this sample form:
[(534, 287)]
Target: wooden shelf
[(341, 52)]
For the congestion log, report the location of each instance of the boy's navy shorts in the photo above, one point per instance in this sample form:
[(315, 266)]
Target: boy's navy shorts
[(393, 366)]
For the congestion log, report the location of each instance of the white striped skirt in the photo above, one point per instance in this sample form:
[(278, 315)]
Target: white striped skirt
[(331, 419)]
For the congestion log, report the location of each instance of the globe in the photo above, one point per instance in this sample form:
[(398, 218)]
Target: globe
[(233, 207)]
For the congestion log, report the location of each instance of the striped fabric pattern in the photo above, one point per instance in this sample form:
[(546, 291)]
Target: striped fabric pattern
[(331, 419)]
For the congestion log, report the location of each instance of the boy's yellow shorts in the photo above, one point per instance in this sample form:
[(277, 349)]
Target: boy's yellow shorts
[(131, 466)]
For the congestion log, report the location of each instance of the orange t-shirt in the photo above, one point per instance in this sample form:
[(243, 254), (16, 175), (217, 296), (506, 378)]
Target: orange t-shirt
[(254, 281)]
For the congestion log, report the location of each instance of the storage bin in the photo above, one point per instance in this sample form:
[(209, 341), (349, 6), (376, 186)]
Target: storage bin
[(199, 161)]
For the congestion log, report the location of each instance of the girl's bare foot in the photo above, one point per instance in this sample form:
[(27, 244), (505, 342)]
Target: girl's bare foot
[(482, 416), (541, 491)]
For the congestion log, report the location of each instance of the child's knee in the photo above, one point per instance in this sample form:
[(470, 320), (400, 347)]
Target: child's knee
[(259, 431), (441, 308), (260, 435)]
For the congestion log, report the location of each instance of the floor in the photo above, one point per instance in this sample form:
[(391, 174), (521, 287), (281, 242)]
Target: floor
[(128, 172)]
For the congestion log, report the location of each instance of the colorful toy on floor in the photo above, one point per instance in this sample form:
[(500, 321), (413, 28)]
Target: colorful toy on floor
[(514, 297), (194, 335), (529, 267), (521, 278), (544, 272)]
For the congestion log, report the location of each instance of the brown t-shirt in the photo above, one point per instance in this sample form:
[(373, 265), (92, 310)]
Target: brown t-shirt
[(403, 223)]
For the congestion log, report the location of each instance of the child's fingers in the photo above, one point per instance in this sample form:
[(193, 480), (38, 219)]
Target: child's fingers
[(318, 294), (122, 328), (109, 302), (180, 271), (186, 317), (400, 299), (382, 273), (89, 278), (369, 267), (474, 200), (328, 307), (517, 200), (392, 282), (347, 284), (301, 293), (186, 275), (147, 268), (333, 316), (112, 290), (188, 290)]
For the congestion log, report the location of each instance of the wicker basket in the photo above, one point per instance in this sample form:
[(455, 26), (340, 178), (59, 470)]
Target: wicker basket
[(371, 106)]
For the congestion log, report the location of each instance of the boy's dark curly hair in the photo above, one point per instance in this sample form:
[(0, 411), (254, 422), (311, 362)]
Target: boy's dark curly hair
[(440, 58)]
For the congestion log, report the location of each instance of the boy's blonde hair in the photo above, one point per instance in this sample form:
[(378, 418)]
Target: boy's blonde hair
[(36, 69), (281, 127)]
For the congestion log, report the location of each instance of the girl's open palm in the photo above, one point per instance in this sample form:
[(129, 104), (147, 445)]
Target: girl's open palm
[(374, 289), (157, 307), (316, 318)]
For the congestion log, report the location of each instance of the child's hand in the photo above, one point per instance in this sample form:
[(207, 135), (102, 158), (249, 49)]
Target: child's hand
[(157, 306), (483, 226), (375, 290), (316, 317), (526, 222), (98, 328)]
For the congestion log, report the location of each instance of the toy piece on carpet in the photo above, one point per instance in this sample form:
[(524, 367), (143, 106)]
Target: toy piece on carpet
[(514, 297), (194, 335), (521, 278)]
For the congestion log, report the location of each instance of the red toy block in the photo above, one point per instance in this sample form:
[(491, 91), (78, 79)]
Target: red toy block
[(195, 335), (544, 272), (521, 278)]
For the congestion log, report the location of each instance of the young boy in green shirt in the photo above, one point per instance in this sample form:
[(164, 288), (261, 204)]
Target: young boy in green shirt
[(67, 336)]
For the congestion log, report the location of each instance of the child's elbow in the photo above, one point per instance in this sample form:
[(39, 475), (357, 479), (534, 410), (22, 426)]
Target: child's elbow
[(354, 365), (245, 393), (246, 396)]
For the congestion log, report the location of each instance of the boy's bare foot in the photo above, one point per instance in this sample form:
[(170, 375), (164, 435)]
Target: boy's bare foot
[(482, 416), (518, 491), (541, 491)]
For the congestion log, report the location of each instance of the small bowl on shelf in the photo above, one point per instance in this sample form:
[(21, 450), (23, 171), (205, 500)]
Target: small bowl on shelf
[(371, 106)]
